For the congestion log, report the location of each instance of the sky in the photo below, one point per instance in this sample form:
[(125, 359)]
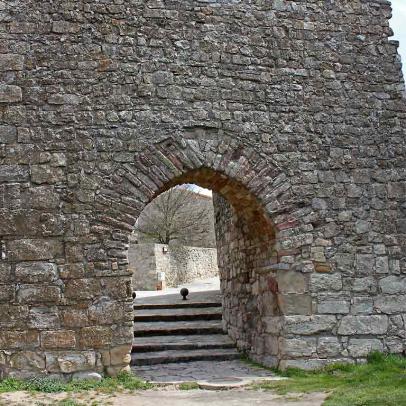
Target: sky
[(398, 24)]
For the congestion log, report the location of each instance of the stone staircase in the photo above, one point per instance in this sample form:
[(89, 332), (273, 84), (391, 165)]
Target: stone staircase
[(168, 329)]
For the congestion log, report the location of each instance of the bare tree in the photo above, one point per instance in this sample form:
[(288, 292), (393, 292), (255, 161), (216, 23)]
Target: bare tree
[(178, 215)]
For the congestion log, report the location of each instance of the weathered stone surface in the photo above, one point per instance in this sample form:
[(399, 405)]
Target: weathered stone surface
[(70, 362), (393, 285), (59, 339), (34, 249), (328, 347), (294, 347), (374, 324), (390, 304), (27, 360), (41, 174), (19, 339), (10, 94), (36, 272), (9, 62), (360, 347), (308, 325), (330, 282), (14, 173), (87, 376), (8, 134)]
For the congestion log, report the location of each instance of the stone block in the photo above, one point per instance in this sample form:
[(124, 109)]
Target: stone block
[(382, 265), (71, 362), (321, 282), (14, 316), (46, 174), (72, 317), (120, 355), (44, 318), (8, 134), (95, 337), (64, 99), (295, 304), (58, 339), (11, 62), (365, 264), (7, 293), (364, 285), (10, 94), (374, 324), (298, 347), (86, 376), (291, 282), (44, 197), (333, 306), (34, 249), (390, 304), (36, 272), (309, 325), (361, 347), (86, 288), (65, 27), (362, 304), (14, 173), (19, 339), (28, 360), (5, 272), (328, 347), (393, 285), (38, 294), (305, 364)]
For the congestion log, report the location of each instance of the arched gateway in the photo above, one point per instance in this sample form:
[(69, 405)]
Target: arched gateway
[(291, 112)]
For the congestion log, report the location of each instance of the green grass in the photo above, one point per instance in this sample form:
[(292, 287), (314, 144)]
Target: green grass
[(49, 385), (379, 382), (188, 386)]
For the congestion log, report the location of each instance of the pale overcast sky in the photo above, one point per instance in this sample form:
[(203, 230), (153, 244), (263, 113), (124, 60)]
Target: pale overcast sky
[(398, 24)]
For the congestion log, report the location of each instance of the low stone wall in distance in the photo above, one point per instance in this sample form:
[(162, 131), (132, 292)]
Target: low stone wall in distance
[(181, 264)]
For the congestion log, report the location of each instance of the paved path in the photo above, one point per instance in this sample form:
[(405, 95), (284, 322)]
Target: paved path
[(165, 398), (233, 371), (223, 398)]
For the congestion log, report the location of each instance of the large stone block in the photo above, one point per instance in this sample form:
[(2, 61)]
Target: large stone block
[(95, 337), (390, 304), (8, 134), (393, 285), (14, 173), (291, 282), (44, 318), (34, 249), (308, 325), (10, 94), (295, 304), (361, 347), (28, 360), (10, 62), (374, 324), (36, 272), (38, 294), (328, 347), (298, 347), (86, 288), (58, 339), (320, 282), (19, 339), (69, 362)]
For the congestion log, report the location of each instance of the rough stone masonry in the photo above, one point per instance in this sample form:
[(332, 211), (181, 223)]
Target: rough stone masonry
[(293, 112)]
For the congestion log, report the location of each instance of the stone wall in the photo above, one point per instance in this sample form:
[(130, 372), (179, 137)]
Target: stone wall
[(292, 111), (181, 264)]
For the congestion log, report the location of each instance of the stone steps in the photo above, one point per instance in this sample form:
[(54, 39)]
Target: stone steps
[(179, 305), (178, 314), (188, 342), (165, 357), (153, 328), (168, 329)]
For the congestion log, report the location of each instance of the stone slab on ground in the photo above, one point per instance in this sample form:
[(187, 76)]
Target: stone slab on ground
[(199, 371)]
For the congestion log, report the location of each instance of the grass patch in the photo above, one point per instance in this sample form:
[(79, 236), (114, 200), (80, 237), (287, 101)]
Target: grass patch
[(379, 382), (188, 386), (49, 385)]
